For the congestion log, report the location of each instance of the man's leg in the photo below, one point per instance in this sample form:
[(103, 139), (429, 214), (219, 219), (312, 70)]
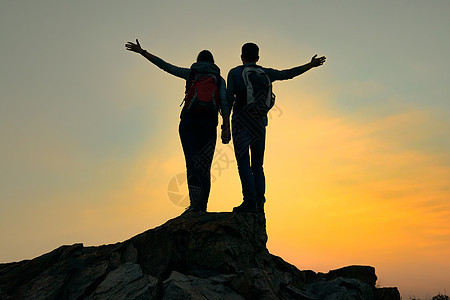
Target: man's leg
[(242, 139), (257, 158)]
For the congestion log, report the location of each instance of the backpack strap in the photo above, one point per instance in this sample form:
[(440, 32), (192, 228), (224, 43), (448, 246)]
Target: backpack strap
[(193, 76)]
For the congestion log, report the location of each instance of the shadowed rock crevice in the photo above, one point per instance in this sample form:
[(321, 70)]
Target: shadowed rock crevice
[(194, 256)]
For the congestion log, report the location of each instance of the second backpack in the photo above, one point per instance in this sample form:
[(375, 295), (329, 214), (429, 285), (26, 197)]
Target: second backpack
[(259, 96)]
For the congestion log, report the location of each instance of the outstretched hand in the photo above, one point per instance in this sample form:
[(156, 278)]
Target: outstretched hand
[(130, 46), (315, 62)]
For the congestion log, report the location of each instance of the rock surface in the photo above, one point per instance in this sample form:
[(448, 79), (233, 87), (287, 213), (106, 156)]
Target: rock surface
[(193, 256)]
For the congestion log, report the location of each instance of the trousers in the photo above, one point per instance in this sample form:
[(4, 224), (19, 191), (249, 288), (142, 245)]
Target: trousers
[(249, 144)]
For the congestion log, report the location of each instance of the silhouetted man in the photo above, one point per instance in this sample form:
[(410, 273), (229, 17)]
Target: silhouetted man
[(249, 129)]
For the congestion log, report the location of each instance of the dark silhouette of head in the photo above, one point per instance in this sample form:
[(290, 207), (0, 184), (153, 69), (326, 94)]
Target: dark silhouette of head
[(205, 55), (250, 52)]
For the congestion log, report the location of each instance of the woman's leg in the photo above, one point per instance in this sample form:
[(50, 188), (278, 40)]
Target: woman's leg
[(189, 143)]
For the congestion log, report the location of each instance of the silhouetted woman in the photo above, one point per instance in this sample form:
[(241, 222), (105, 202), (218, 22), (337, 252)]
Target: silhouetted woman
[(198, 131)]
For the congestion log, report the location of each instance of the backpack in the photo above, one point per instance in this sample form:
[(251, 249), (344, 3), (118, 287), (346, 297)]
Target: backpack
[(259, 96), (202, 94)]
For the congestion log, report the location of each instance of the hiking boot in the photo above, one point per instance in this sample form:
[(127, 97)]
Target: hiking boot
[(260, 200), (246, 207), (260, 207), (191, 209)]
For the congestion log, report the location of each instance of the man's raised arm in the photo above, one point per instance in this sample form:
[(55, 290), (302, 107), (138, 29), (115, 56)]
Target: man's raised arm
[(291, 73)]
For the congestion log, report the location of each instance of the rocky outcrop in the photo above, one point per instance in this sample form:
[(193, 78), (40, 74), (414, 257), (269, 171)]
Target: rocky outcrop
[(194, 256)]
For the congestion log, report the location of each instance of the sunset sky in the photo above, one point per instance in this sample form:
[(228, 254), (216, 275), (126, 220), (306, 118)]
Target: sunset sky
[(357, 155)]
